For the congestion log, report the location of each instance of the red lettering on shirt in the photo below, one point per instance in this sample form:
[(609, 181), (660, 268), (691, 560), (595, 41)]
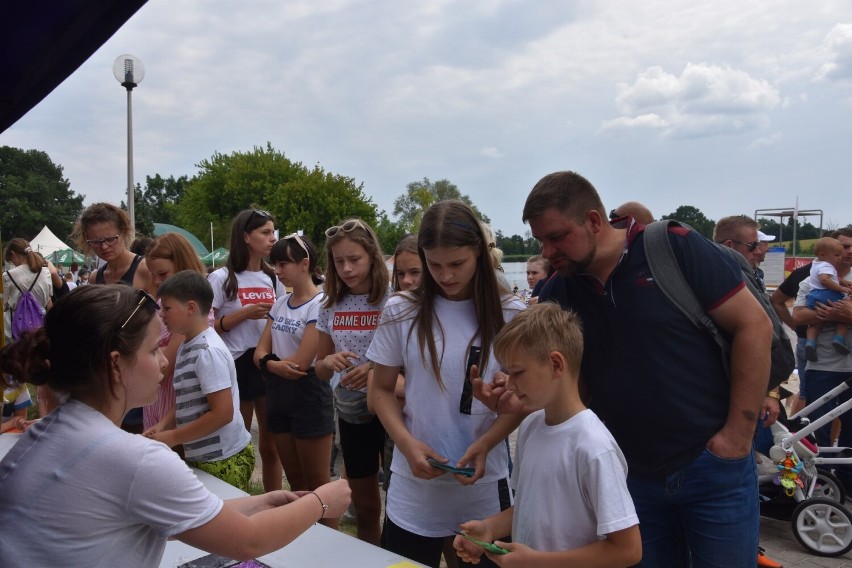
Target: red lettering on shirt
[(355, 321), (255, 296)]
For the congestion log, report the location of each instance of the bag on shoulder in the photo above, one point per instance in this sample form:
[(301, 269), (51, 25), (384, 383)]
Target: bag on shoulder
[(28, 314), (351, 405), (670, 280)]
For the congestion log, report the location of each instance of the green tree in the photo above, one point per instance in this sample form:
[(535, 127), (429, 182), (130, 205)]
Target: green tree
[(693, 217), (143, 214), (34, 194), (419, 195), (300, 198), (163, 195)]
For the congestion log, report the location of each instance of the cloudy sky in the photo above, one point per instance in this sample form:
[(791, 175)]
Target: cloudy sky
[(727, 106)]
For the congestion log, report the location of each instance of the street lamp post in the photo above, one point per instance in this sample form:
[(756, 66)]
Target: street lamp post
[(129, 71)]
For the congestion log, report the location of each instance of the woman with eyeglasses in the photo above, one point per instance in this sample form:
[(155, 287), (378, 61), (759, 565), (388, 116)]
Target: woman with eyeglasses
[(300, 411), (356, 287), (104, 230), (106, 497), (243, 293)]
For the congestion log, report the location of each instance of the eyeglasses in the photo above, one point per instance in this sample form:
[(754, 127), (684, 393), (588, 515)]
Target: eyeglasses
[(613, 215), (300, 241), (143, 298), (466, 400), (259, 213), (346, 227), (749, 246), (105, 242)]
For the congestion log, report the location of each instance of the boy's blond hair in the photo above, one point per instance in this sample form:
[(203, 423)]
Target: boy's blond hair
[(539, 330)]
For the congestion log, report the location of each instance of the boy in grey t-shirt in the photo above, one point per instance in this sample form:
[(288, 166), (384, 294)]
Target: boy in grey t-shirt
[(206, 417)]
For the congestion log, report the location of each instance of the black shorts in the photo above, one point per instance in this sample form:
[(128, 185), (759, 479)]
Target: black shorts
[(362, 445), (304, 407), (249, 380)]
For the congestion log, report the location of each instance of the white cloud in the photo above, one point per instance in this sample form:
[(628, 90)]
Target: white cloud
[(491, 152), (705, 100), (838, 47), (766, 142)]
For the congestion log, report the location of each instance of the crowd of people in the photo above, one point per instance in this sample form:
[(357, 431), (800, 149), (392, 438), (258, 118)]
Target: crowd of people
[(634, 441)]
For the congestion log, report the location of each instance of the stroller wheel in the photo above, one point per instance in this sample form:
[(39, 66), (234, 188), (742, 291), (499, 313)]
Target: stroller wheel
[(829, 487), (823, 527)]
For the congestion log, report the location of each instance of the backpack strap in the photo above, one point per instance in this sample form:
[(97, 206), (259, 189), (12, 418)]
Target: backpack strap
[(669, 278), (30, 289), (9, 274)]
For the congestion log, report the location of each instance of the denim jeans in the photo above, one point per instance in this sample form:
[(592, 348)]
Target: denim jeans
[(801, 365), (708, 512), (819, 383)]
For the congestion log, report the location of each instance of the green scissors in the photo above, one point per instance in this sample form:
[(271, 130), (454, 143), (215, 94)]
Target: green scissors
[(489, 546)]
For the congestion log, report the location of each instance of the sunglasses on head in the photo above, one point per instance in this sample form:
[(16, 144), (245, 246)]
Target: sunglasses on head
[(258, 213), (144, 297), (346, 227), (299, 241)]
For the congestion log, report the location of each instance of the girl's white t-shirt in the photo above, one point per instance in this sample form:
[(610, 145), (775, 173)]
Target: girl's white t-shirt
[(252, 288), (432, 415), (289, 323), (351, 324)]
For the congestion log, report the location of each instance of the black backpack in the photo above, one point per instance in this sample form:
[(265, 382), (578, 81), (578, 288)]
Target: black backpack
[(669, 278)]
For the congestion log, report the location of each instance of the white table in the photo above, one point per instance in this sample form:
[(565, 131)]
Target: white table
[(318, 547)]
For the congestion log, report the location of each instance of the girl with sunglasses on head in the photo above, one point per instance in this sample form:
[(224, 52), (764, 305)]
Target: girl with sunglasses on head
[(167, 255), (442, 333), (243, 293), (300, 410), (356, 287), (107, 497)]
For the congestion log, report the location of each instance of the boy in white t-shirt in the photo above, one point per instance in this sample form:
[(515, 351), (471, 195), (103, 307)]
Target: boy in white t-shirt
[(206, 416), (572, 507), (826, 286)]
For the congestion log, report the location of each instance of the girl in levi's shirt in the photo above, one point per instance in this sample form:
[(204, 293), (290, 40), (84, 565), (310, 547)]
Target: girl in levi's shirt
[(356, 287), (243, 293)]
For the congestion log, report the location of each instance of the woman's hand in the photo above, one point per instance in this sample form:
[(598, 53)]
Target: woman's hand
[(477, 454), (258, 311), (339, 361), (356, 377), (336, 495), (285, 369), (415, 453)]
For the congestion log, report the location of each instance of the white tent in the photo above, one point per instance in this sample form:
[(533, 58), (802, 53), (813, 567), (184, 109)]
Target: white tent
[(46, 242)]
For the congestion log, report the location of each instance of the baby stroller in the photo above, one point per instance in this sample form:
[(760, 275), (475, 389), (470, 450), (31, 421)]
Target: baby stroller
[(810, 498)]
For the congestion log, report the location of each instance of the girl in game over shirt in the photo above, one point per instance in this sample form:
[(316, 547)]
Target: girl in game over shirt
[(300, 412), (439, 332), (243, 293), (356, 287)]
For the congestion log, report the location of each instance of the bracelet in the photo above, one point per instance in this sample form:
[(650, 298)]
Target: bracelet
[(266, 359), (324, 506), (222, 325)]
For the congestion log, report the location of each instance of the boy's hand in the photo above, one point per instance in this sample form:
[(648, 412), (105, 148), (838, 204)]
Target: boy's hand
[(466, 550), (495, 395), (165, 437), (520, 555)]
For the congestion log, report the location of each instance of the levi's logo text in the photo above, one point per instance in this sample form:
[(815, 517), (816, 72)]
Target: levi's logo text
[(355, 321), (256, 296)]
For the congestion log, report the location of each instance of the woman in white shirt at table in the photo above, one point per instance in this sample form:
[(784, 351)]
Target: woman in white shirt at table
[(84, 492)]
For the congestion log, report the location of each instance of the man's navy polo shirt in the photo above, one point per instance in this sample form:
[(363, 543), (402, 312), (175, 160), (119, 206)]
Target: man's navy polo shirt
[(654, 378)]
